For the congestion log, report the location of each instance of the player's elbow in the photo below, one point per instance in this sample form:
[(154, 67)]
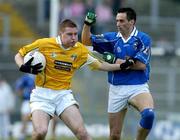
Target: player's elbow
[(16, 57), (140, 66)]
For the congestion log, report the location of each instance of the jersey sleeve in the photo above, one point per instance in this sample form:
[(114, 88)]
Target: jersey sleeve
[(103, 43), (25, 49), (91, 61), (144, 52)]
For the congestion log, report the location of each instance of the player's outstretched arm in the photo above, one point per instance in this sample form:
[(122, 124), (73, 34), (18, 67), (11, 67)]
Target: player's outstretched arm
[(119, 64), (127, 64), (104, 66)]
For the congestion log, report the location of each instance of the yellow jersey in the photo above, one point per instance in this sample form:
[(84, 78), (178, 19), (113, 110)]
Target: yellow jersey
[(60, 63)]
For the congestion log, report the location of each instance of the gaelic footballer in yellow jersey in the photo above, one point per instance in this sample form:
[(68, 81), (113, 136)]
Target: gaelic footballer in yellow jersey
[(52, 95), (61, 63)]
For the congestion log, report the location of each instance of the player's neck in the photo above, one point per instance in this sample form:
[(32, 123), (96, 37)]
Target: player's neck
[(127, 34)]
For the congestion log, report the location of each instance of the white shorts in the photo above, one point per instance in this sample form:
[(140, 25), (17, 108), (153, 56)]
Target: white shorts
[(119, 95), (51, 101), (25, 108)]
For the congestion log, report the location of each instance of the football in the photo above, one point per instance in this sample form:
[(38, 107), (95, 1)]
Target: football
[(38, 58)]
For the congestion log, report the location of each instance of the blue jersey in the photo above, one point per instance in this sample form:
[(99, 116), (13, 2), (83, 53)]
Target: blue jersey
[(137, 46), (25, 84)]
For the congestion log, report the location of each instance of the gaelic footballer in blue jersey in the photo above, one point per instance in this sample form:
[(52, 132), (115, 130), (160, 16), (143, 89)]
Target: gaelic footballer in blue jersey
[(129, 86), (136, 47)]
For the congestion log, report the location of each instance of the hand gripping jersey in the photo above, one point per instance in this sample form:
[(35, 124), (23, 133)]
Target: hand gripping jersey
[(137, 46), (60, 63)]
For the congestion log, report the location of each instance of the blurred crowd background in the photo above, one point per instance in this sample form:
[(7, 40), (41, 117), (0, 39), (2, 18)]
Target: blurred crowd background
[(23, 21)]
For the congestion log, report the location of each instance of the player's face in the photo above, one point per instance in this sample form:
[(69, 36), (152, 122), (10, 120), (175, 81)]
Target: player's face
[(123, 25), (69, 37)]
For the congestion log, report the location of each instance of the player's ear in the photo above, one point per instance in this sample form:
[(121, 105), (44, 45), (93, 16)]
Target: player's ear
[(59, 33), (132, 22)]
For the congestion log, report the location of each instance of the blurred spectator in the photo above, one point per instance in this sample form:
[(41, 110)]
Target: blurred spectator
[(166, 45), (65, 11), (7, 102), (77, 8), (47, 9), (104, 12), (89, 5), (116, 5), (24, 86)]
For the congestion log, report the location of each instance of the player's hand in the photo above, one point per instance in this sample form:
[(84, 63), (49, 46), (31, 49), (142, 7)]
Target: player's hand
[(28, 68), (109, 57), (90, 18), (126, 65)]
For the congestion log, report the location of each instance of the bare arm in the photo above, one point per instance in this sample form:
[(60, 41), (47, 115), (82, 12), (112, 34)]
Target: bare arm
[(104, 66), (86, 34), (18, 59), (138, 66)]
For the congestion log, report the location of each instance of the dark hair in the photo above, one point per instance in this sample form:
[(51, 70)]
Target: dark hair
[(67, 23), (131, 14)]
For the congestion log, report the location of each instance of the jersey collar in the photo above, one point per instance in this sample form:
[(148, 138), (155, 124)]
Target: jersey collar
[(133, 33), (58, 41)]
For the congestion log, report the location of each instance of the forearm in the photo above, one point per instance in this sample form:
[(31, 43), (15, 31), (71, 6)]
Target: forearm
[(127, 64), (138, 66), (85, 36), (109, 67), (18, 59)]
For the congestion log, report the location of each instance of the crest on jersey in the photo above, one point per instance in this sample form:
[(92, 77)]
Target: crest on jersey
[(73, 56), (118, 49), (146, 50), (53, 54), (135, 45)]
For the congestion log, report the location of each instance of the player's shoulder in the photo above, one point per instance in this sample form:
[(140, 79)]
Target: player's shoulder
[(143, 35), (45, 40), (106, 35), (81, 48), (111, 34)]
